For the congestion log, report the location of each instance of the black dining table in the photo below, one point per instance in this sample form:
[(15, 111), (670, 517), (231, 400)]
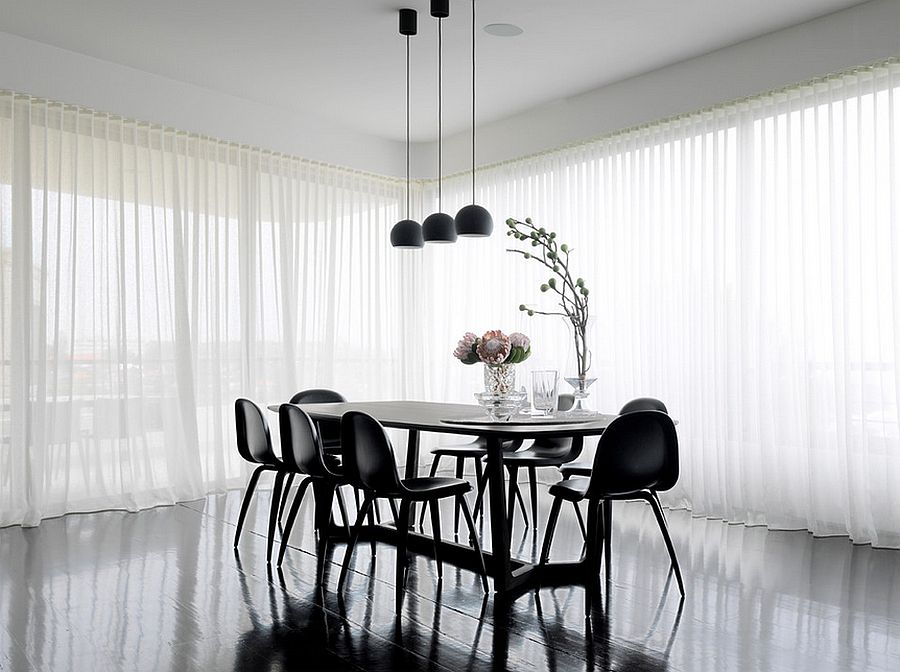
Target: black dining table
[(511, 576)]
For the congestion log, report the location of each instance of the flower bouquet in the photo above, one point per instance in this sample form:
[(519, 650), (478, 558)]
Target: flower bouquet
[(499, 353)]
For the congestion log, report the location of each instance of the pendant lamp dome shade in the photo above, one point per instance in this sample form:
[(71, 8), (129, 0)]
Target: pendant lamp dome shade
[(407, 233), (474, 221), (439, 227)]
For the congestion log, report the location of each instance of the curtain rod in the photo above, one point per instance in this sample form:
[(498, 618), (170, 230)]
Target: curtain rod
[(200, 136), (893, 60)]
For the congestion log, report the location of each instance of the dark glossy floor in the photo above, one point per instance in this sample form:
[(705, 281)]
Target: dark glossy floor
[(164, 590)]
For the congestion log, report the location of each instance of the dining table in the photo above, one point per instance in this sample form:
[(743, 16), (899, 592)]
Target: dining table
[(511, 576)]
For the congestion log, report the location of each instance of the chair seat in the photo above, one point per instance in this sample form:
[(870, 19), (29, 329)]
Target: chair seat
[(538, 457), (434, 488), (571, 490), (575, 469), (459, 451)]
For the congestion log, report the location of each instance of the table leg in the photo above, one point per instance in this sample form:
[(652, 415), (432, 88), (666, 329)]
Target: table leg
[(499, 528), (412, 467)]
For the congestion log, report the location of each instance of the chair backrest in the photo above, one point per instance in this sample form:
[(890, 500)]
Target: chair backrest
[(301, 449), (643, 404), (253, 439), (638, 451), (329, 430), (368, 454)]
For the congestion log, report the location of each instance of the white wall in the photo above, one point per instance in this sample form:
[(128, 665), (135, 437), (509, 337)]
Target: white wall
[(45, 71), (842, 40)]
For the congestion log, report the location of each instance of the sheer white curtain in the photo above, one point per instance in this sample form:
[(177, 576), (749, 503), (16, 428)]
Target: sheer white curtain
[(744, 264), (148, 278)]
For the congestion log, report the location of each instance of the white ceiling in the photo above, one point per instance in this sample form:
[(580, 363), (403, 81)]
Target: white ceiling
[(345, 60)]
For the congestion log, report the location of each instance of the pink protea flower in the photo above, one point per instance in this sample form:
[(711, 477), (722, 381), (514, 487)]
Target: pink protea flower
[(465, 348), (519, 340), (494, 347)]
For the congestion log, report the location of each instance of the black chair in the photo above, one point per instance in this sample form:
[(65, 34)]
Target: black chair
[(543, 452), (476, 451), (639, 404), (302, 453), (329, 430), (584, 468), (255, 445), (637, 456), (369, 457)]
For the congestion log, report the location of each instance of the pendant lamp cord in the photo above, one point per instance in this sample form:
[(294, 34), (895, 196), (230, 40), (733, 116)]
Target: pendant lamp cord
[(408, 208), (440, 113), (473, 102)]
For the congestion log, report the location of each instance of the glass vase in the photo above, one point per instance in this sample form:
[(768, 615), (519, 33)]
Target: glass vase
[(578, 366), (499, 379)]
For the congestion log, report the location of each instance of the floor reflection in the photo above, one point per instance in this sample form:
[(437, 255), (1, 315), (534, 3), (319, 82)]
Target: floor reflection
[(164, 590)]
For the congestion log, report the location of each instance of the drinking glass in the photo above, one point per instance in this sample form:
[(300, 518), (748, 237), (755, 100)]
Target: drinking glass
[(543, 391)]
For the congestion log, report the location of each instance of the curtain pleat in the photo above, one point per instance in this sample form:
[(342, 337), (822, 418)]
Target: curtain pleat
[(148, 278), (743, 266)]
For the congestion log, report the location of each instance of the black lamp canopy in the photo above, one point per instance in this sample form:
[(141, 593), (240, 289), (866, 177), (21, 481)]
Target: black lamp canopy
[(407, 233), (474, 220), (439, 227)]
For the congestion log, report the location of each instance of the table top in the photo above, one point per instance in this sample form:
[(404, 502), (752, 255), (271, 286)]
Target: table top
[(429, 416)]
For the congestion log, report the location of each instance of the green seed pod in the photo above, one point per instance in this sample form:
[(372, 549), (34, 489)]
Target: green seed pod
[(564, 247), (528, 220), (534, 243), (510, 222), (556, 268), (552, 282), (544, 288), (530, 313), (527, 255), (579, 282), (522, 306)]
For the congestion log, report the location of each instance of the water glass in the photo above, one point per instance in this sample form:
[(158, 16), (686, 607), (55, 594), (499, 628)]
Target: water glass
[(544, 390)]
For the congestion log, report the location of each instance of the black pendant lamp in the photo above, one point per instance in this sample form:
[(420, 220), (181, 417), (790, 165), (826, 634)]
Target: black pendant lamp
[(473, 220), (407, 233), (439, 227)]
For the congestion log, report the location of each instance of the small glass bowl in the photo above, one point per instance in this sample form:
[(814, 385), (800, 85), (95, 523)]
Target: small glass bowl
[(501, 407)]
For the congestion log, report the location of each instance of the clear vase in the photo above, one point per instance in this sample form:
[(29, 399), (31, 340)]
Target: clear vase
[(499, 379), (578, 366)]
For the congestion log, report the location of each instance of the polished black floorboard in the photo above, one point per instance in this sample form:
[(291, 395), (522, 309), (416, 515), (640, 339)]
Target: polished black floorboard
[(164, 590)]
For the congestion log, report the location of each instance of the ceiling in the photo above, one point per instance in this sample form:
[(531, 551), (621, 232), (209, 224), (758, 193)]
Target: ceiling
[(344, 59)]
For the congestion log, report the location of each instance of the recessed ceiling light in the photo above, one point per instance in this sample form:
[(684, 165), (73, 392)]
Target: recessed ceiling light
[(502, 29)]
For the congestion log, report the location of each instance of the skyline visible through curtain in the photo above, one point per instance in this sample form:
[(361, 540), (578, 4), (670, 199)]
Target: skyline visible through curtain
[(149, 278)]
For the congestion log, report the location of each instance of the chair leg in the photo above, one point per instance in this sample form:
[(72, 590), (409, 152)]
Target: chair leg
[(292, 515), (607, 537), (474, 537), (436, 534), (482, 487), (284, 495), (580, 520), (245, 504), (364, 511), (343, 508), (551, 528), (664, 528), (532, 484), (431, 473), (372, 510), (594, 552), (394, 512), (460, 463), (521, 503), (402, 535), (273, 513)]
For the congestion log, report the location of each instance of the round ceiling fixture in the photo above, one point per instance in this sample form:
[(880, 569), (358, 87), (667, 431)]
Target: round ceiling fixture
[(503, 29)]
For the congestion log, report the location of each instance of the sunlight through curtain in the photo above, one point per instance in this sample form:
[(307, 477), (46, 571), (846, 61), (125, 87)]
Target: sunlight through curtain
[(149, 278), (744, 263)]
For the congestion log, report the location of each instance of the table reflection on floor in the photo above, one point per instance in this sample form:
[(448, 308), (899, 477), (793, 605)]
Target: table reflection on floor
[(164, 590)]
